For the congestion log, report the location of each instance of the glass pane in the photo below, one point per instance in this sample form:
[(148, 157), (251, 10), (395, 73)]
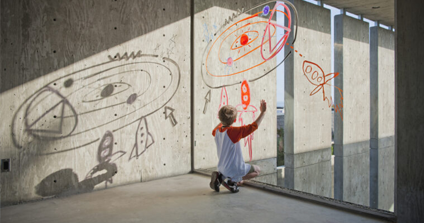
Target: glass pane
[(329, 125)]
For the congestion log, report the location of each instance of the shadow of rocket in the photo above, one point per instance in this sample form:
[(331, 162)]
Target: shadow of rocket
[(143, 139), (66, 182)]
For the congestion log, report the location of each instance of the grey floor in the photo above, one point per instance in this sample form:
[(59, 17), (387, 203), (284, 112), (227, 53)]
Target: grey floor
[(185, 198)]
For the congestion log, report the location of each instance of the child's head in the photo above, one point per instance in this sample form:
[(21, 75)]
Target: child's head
[(227, 115)]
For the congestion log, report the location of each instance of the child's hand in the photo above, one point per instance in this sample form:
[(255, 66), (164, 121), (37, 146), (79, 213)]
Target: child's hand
[(263, 105)]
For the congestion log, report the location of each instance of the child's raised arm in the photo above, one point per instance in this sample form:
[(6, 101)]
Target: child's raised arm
[(263, 110)]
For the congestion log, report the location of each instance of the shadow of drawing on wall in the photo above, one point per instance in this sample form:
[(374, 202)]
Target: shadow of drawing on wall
[(78, 102), (59, 126), (169, 113), (143, 139), (65, 181), (207, 101), (104, 157), (125, 56)]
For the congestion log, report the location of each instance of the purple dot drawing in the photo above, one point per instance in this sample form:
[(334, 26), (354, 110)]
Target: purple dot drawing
[(265, 11)]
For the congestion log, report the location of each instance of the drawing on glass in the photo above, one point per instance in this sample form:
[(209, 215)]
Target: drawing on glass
[(245, 42), (246, 109), (316, 76)]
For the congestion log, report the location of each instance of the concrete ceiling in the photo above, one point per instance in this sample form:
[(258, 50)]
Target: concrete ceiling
[(377, 10)]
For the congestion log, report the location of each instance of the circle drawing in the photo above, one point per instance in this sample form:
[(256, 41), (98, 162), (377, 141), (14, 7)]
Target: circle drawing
[(239, 40), (244, 39), (68, 83)]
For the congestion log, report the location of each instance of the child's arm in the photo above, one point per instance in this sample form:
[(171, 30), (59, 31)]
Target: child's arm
[(237, 133), (263, 110)]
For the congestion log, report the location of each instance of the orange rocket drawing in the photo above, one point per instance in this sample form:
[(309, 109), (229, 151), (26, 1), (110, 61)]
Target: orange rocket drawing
[(245, 94), (315, 76), (318, 78)]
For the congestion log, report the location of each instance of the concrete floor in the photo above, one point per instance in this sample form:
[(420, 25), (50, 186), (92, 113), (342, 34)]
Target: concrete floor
[(185, 198)]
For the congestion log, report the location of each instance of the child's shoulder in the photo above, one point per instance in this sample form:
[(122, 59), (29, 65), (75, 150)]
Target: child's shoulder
[(216, 128)]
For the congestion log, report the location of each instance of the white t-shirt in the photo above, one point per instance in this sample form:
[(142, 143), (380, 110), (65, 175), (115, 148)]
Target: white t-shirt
[(231, 163)]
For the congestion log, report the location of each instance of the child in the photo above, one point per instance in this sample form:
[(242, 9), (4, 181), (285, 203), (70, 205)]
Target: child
[(231, 166)]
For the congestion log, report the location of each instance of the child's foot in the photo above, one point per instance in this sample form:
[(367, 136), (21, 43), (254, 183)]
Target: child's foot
[(214, 184), (231, 186), (240, 183)]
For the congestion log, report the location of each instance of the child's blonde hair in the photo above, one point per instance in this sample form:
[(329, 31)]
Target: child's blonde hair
[(227, 114)]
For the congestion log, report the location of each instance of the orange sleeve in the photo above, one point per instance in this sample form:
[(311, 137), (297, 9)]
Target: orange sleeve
[(214, 130), (237, 133)]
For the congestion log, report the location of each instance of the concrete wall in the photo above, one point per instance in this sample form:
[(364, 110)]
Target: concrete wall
[(212, 43), (307, 118), (352, 134), (99, 95), (382, 89), (409, 112), (96, 94)]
